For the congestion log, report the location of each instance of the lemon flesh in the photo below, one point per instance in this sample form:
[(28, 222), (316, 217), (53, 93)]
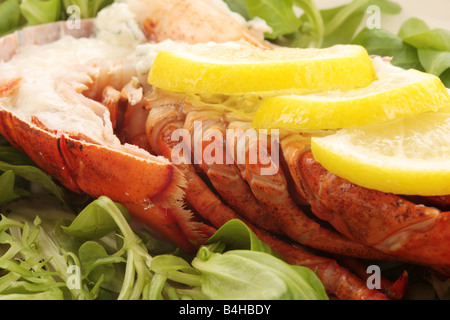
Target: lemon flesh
[(409, 156), (445, 109), (233, 68), (395, 93)]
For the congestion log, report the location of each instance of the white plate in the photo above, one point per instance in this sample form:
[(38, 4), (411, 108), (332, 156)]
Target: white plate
[(434, 12)]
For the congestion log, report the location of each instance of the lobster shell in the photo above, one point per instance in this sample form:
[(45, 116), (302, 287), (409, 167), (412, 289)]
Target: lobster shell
[(149, 186)]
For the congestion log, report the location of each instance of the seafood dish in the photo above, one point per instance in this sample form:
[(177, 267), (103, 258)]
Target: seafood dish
[(82, 105)]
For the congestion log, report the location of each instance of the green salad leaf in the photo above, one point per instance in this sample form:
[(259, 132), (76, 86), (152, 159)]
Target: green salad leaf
[(437, 39), (235, 235), (279, 15), (9, 16), (19, 171), (434, 61), (7, 188), (342, 23), (412, 27), (87, 8), (253, 267), (237, 265), (32, 262), (238, 6), (35, 175), (16, 14), (255, 275), (287, 27), (346, 28), (415, 46), (384, 43), (97, 263), (40, 11), (94, 222), (49, 252), (299, 23)]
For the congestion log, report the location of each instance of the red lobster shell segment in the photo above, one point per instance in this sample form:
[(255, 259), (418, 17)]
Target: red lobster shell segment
[(137, 182)]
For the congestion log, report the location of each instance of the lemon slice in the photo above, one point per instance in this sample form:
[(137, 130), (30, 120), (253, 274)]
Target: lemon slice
[(445, 109), (395, 93), (408, 155), (233, 68)]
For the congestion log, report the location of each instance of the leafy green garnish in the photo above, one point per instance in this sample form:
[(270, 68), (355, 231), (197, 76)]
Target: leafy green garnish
[(341, 15), (40, 11), (437, 63), (237, 265), (342, 23), (437, 39), (8, 193), (35, 175), (9, 16), (96, 263), (16, 14), (411, 27), (415, 46), (97, 255), (236, 235), (33, 265), (299, 23), (287, 27), (278, 15), (255, 275), (88, 8), (383, 43), (19, 171), (93, 222)]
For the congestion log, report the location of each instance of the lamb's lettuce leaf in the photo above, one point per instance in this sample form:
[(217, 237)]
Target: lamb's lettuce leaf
[(40, 11), (9, 16)]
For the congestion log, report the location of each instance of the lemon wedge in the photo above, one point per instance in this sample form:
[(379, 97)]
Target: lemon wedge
[(233, 68), (395, 93), (409, 156)]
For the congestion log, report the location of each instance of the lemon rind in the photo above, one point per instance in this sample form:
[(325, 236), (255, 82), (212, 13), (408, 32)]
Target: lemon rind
[(311, 112), (176, 72), (406, 178)]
